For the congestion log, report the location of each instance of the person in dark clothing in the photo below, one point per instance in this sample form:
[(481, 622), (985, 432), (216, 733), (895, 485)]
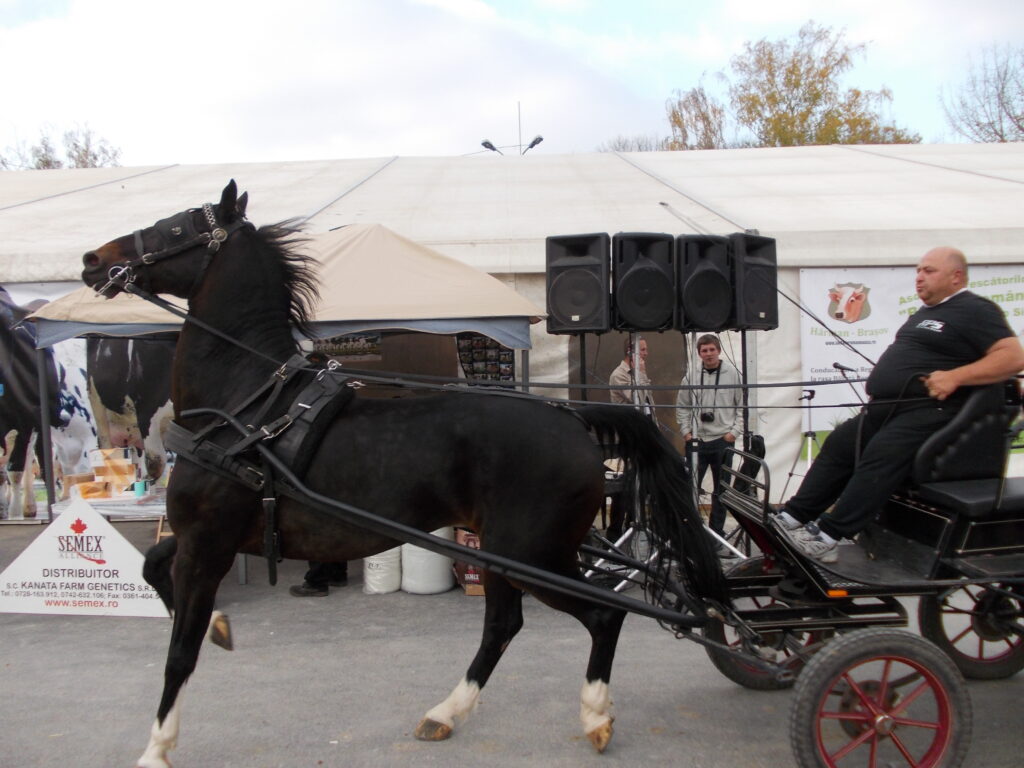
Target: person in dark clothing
[(956, 341), (319, 578)]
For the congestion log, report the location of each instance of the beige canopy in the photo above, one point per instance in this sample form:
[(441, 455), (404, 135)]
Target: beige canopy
[(370, 279)]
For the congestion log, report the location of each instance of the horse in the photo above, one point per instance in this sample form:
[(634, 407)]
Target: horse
[(526, 476)]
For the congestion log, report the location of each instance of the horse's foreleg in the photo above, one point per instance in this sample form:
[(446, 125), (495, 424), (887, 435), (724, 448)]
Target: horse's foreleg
[(195, 586), (502, 620)]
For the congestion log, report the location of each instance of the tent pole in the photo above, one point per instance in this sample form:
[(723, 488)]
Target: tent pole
[(44, 432), (525, 359)]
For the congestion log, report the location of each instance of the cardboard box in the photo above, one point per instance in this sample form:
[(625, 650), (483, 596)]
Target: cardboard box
[(468, 576), (115, 466)]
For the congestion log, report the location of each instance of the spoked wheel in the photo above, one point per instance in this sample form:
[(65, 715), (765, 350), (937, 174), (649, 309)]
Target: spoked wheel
[(880, 698), (978, 627), (782, 647)]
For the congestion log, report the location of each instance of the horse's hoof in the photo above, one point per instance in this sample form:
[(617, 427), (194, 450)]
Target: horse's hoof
[(431, 730), (601, 736), (220, 632)]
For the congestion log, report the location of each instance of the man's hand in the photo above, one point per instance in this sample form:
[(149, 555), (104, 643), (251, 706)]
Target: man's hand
[(730, 437), (941, 384)]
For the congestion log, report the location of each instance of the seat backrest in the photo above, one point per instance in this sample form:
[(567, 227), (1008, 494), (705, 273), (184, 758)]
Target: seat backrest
[(973, 445)]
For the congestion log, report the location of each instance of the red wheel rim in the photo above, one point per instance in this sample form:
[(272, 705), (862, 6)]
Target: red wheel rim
[(974, 630), (900, 715)]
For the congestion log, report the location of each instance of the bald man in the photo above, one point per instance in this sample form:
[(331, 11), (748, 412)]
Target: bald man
[(955, 342)]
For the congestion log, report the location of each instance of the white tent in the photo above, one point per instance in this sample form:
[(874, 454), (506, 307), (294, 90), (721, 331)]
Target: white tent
[(829, 206)]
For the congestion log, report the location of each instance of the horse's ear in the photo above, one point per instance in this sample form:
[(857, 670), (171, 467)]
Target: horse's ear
[(240, 206), (228, 201)]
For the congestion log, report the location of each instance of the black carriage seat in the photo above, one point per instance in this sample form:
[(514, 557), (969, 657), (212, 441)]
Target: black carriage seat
[(960, 468)]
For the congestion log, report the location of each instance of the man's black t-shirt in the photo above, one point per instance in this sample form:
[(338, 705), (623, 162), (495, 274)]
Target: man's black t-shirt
[(956, 332)]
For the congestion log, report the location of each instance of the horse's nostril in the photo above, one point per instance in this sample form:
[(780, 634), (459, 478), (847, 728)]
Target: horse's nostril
[(91, 259)]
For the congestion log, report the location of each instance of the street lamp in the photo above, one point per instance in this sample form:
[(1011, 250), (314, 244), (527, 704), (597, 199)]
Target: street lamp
[(486, 144), (536, 140)]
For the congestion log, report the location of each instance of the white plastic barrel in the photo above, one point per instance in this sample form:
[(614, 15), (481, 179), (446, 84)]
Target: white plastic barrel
[(382, 573), (425, 572)]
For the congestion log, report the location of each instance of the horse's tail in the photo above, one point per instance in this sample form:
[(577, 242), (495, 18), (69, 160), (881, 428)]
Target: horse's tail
[(665, 496)]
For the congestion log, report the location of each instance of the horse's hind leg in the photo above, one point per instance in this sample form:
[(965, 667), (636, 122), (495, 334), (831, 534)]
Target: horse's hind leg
[(604, 624), (196, 576), (502, 620)]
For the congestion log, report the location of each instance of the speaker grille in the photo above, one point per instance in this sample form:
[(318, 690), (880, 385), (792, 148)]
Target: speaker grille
[(707, 298), (645, 298), (577, 298)]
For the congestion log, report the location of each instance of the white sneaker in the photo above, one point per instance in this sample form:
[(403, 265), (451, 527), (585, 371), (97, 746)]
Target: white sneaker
[(786, 521), (810, 542)]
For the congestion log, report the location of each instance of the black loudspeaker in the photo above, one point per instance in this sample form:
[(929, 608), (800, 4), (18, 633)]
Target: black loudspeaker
[(757, 298), (579, 299), (705, 278), (643, 281)]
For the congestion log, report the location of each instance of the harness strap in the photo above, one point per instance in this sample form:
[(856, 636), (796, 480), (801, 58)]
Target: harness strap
[(271, 536), (197, 449)]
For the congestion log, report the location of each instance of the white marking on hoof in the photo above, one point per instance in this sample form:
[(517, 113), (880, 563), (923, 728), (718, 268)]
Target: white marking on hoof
[(162, 739), (595, 712), (458, 706)]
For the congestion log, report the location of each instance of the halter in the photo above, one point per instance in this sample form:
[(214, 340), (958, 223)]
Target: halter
[(176, 235)]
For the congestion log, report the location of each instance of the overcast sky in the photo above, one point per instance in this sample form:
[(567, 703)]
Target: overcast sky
[(209, 81)]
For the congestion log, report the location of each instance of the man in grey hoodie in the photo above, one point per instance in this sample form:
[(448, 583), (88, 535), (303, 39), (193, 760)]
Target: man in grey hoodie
[(710, 414)]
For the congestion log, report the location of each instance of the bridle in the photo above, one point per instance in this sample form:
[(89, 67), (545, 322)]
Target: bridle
[(176, 235)]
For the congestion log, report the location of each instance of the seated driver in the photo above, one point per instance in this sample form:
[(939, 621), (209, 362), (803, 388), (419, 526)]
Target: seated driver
[(956, 341)]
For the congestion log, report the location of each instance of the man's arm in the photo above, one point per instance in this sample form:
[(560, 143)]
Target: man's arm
[(1003, 359), (684, 411)]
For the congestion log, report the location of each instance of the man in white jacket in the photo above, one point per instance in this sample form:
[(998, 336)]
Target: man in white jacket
[(708, 411)]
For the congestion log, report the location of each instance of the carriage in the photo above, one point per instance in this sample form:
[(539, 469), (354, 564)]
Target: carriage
[(279, 457), (867, 693)]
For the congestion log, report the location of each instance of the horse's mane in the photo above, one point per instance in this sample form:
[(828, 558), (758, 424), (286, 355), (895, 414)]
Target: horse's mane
[(285, 240)]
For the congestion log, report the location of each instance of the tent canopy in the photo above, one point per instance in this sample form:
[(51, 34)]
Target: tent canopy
[(370, 279)]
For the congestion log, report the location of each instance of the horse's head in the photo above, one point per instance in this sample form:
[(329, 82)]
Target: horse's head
[(192, 237)]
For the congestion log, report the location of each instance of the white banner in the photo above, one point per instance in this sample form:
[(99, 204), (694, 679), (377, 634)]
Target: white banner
[(860, 310), (80, 565)]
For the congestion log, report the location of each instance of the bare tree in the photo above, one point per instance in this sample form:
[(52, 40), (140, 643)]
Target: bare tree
[(634, 144), (85, 150), (988, 106), (82, 149)]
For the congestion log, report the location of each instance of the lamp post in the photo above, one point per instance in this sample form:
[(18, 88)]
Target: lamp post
[(486, 143)]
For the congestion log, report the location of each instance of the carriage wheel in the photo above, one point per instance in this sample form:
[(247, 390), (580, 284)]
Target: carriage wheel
[(974, 625), (876, 698), (782, 646)]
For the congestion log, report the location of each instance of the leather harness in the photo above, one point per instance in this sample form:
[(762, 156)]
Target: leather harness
[(293, 437)]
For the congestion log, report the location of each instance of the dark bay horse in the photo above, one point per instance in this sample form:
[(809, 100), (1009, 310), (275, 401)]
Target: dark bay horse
[(526, 476)]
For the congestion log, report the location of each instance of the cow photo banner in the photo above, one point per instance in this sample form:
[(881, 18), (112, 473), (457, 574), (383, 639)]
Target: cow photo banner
[(865, 306)]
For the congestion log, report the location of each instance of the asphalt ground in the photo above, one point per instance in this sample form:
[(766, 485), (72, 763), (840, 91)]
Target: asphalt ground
[(343, 681)]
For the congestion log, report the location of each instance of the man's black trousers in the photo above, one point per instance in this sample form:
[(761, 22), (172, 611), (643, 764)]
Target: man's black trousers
[(859, 486)]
